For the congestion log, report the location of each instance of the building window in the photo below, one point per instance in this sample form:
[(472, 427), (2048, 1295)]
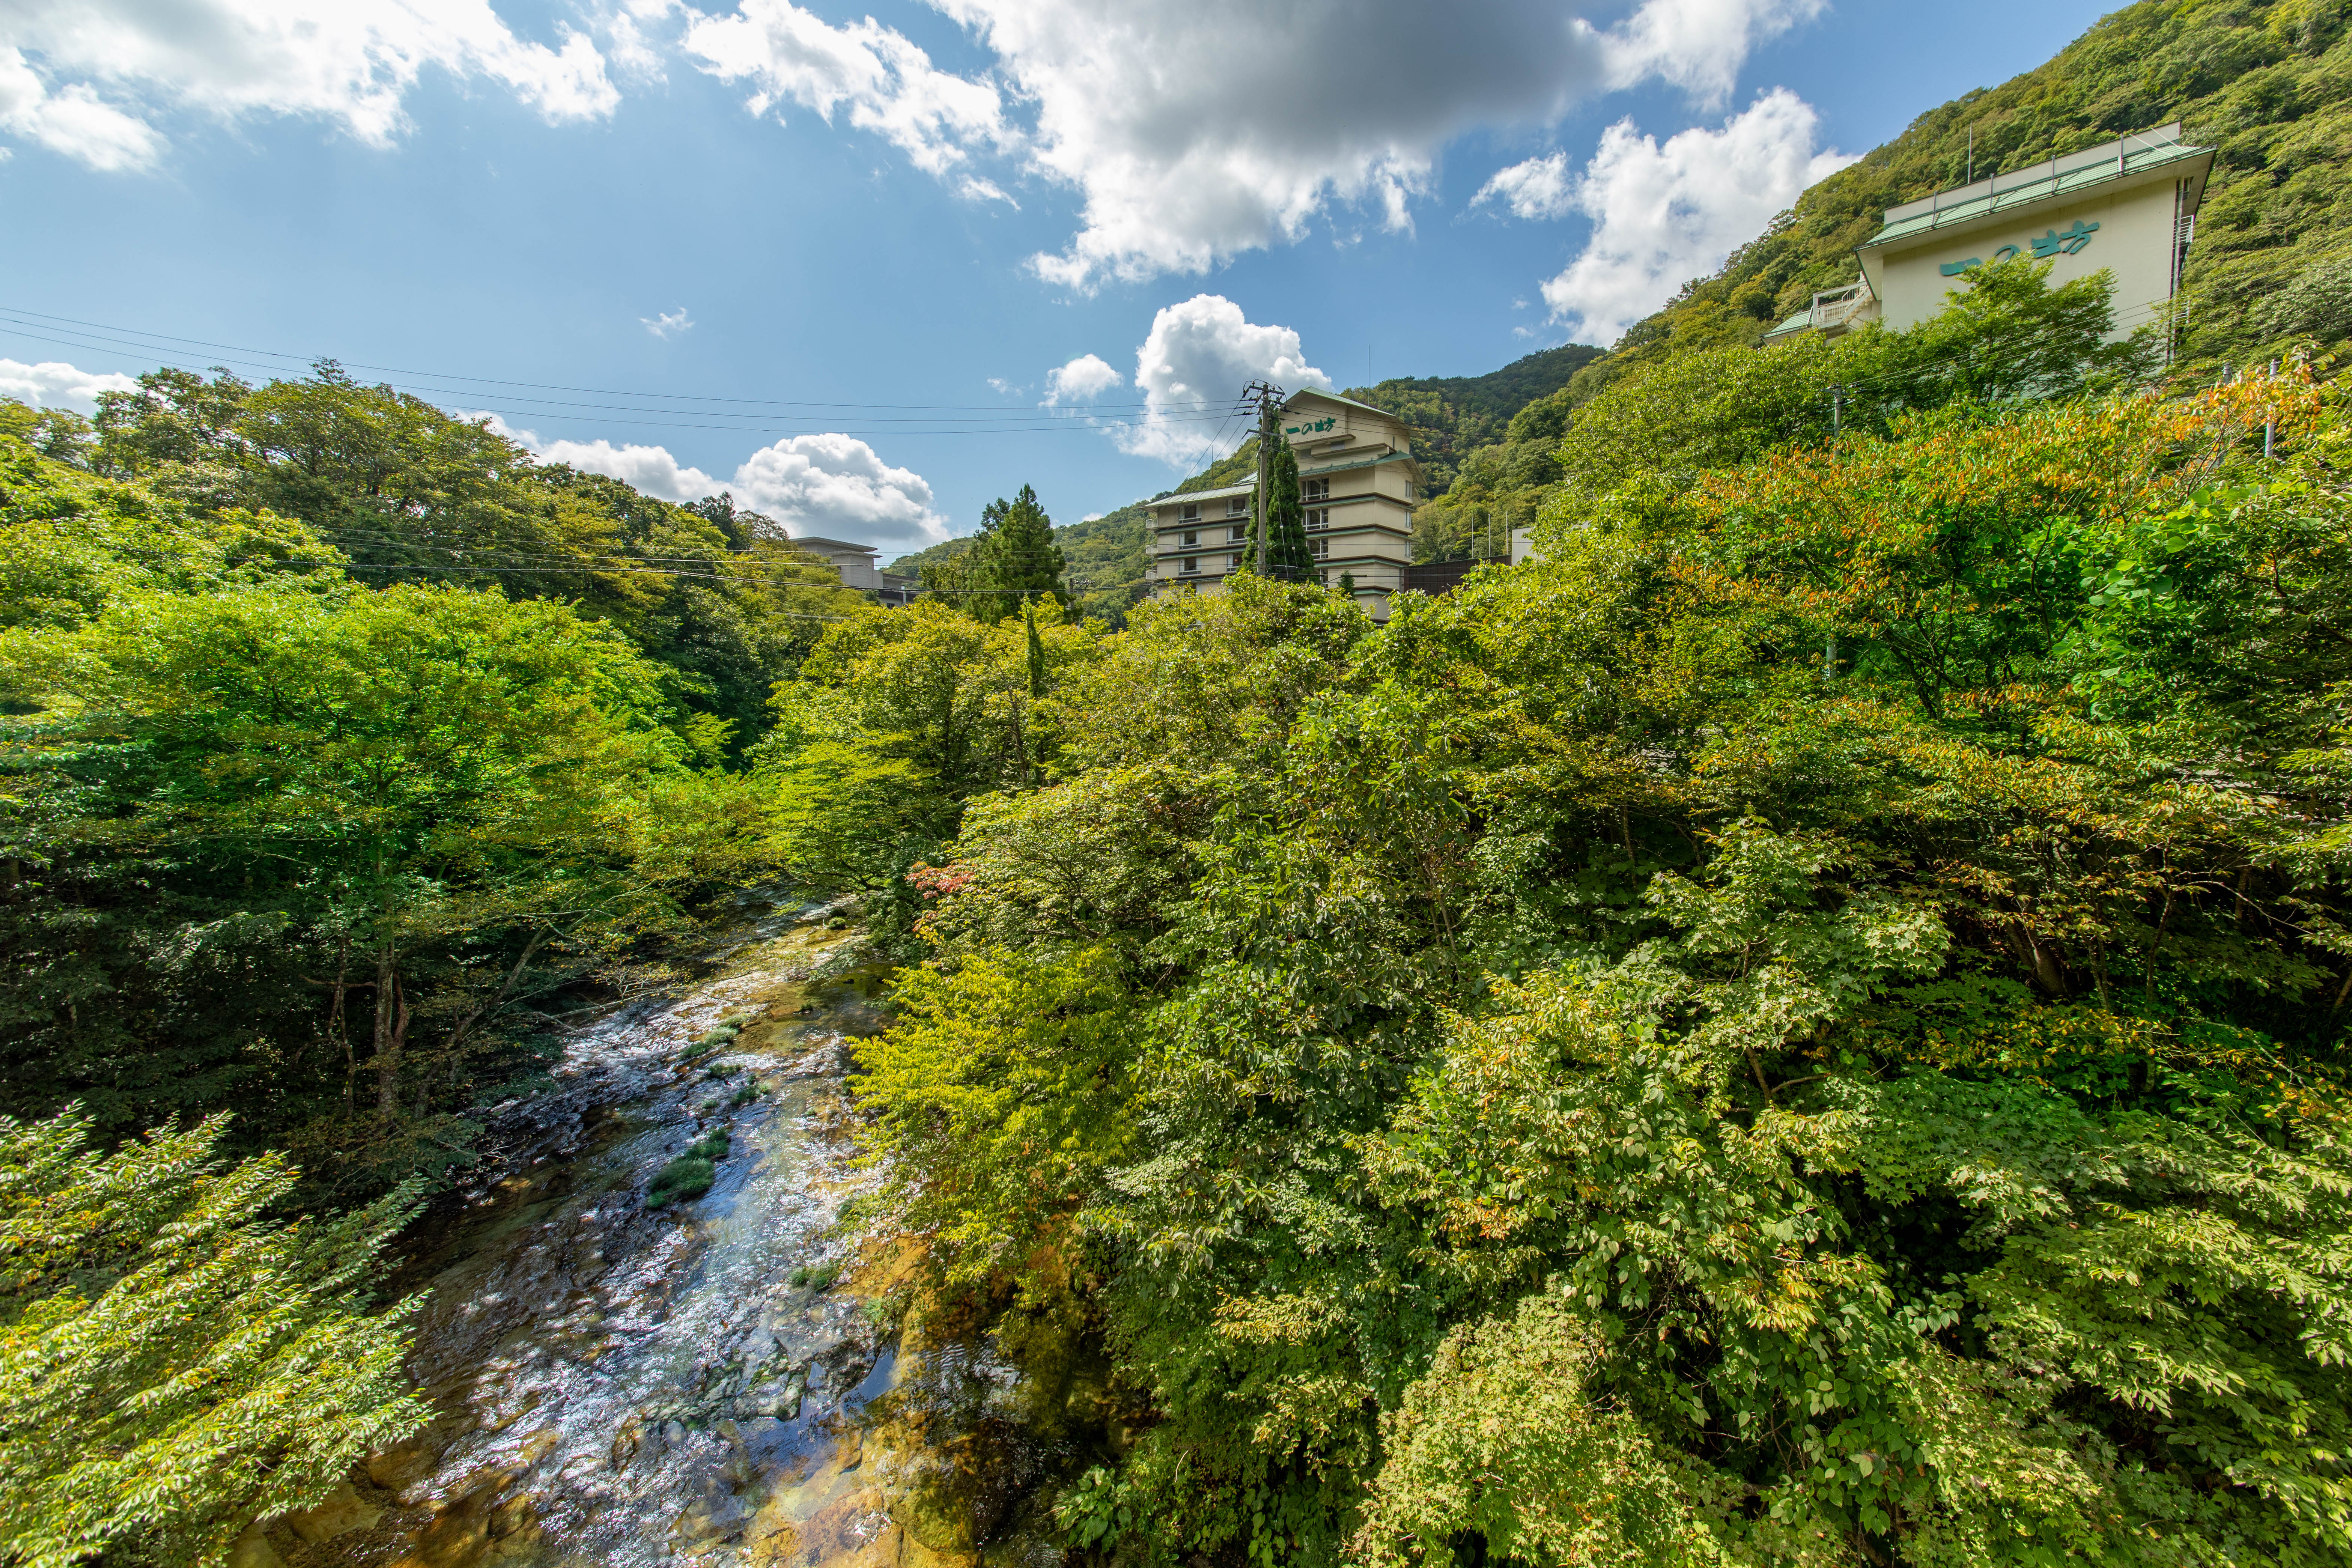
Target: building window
[(1318, 520), (1191, 513), (1316, 490), (1191, 539), (1320, 546), (1235, 535), (1237, 507), (1192, 567)]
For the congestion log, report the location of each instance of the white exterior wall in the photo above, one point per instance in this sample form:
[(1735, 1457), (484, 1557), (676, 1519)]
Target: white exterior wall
[(1365, 525), (2135, 240)]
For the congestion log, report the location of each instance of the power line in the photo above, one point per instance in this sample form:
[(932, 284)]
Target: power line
[(130, 337)]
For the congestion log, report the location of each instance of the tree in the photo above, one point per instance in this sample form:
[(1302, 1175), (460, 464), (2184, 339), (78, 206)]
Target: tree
[(397, 803), (1015, 561), (172, 1363), (1289, 555)]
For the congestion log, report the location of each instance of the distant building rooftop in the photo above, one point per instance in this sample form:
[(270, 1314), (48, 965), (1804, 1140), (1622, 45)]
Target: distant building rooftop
[(2069, 174)]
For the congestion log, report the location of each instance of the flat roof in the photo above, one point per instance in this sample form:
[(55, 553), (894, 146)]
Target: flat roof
[(2068, 175), (813, 542), (1186, 497)]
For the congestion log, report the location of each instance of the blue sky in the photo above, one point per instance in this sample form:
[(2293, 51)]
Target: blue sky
[(893, 234)]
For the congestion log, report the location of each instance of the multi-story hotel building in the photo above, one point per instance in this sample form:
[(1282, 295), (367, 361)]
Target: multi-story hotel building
[(2127, 205), (1359, 483)]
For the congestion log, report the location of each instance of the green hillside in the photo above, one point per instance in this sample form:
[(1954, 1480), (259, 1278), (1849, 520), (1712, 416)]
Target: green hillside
[(1450, 415), (1453, 415), (2269, 83)]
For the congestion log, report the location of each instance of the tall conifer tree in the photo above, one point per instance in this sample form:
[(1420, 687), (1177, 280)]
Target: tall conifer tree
[(1289, 556), (1016, 560)]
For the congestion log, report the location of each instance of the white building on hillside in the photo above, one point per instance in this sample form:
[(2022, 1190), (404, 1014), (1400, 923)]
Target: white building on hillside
[(856, 562), (1360, 482), (2128, 205)]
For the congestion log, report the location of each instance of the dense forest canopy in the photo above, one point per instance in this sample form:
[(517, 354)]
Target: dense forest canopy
[(1804, 1025)]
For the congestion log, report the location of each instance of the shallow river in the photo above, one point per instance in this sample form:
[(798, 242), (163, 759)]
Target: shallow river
[(720, 1382)]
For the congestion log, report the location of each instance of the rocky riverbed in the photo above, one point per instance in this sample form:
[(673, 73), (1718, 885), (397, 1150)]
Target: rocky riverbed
[(717, 1382)]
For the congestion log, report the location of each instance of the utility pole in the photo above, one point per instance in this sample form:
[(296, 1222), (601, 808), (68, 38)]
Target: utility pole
[(1269, 398)]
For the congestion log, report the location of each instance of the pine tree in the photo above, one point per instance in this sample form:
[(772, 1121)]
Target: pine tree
[(1347, 585), (1289, 557), (1015, 559)]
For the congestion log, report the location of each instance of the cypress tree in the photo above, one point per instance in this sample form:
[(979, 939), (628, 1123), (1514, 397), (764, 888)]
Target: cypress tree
[(1289, 556), (1036, 653), (1015, 559)]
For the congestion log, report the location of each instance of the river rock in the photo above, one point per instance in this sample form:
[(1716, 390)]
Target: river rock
[(344, 1510)]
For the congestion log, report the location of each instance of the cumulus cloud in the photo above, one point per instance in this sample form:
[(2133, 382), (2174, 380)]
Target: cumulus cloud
[(836, 486), (53, 384), (872, 74), (83, 76), (1194, 129), (668, 323), (1087, 376), (1192, 367), (1699, 44), (830, 486), (1665, 213), (1539, 188)]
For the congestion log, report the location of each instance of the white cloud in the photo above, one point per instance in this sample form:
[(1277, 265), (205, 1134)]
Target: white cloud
[(832, 486), (1663, 214), (82, 77), (1192, 367), (668, 323), (1194, 129), (885, 82), (1539, 188), (1699, 44), (1087, 376), (53, 384), (652, 469), (835, 486)]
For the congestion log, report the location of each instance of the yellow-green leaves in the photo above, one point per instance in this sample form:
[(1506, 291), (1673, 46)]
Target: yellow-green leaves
[(173, 1365)]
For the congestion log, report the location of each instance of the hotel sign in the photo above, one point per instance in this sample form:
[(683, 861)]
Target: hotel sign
[(1311, 427), (2053, 242)]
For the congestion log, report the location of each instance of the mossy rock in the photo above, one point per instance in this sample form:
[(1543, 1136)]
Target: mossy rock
[(683, 1179)]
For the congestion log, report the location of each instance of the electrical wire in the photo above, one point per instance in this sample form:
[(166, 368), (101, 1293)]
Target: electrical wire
[(107, 335)]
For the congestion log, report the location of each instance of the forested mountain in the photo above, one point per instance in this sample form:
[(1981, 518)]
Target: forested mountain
[(1453, 415), (2269, 83)]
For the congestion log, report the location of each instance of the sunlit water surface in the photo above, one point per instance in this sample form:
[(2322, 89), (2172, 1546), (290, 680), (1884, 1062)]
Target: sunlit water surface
[(614, 1384)]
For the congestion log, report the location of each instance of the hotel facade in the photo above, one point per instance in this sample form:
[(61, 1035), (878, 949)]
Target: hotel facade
[(2128, 207), (1359, 481)]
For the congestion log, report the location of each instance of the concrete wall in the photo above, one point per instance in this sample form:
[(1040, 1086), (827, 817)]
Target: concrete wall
[(2134, 240)]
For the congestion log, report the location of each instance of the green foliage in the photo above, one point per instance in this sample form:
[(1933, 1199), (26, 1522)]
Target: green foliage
[(691, 1173), (282, 843), (818, 1278), (1453, 415), (1013, 561), (2266, 81), (1289, 556), (1803, 1026), (173, 1364), (404, 493)]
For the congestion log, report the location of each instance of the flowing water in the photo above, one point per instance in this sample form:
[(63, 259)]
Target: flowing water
[(720, 1382)]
